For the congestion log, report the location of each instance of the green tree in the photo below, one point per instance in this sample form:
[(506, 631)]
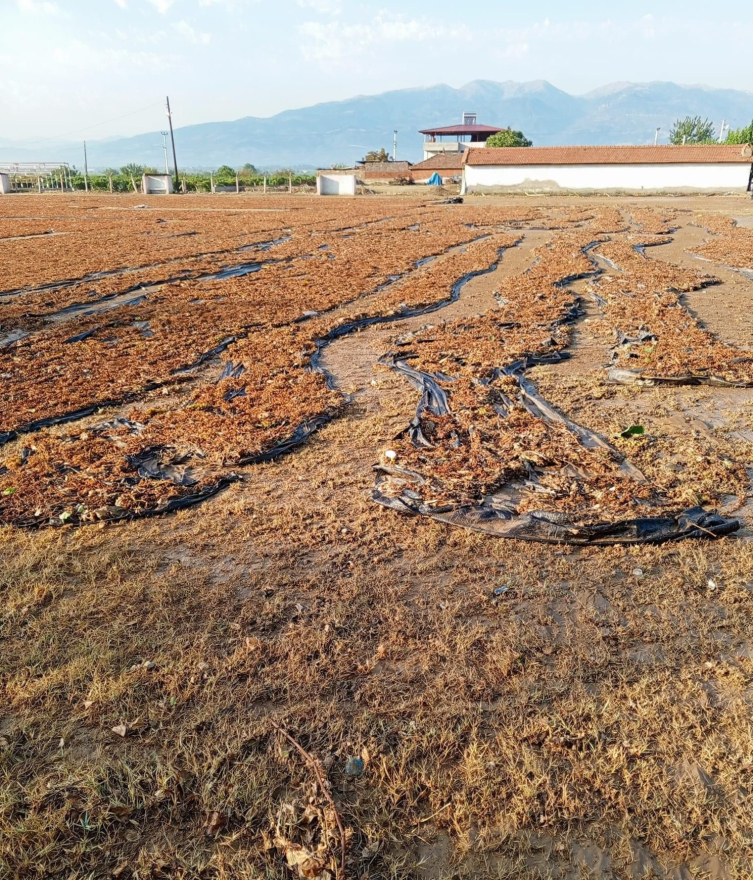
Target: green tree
[(224, 175), (132, 169), (692, 130), (251, 170), (377, 156), (509, 138), (741, 135)]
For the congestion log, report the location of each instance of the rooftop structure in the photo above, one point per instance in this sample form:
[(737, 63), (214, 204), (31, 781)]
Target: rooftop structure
[(456, 138)]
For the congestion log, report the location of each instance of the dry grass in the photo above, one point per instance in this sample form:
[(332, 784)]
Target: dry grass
[(593, 720)]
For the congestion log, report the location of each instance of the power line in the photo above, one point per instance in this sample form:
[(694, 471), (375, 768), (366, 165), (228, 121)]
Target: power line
[(89, 127)]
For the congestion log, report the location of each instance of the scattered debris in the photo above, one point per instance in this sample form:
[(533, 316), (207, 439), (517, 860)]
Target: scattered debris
[(354, 767)]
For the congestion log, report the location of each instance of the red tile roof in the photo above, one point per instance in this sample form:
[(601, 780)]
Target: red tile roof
[(463, 129), (441, 162), (663, 155)]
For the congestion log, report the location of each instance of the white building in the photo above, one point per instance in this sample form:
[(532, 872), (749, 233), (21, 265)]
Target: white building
[(335, 183), (717, 168), (156, 184), (457, 138)]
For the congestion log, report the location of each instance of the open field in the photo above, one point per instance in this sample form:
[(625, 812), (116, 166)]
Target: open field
[(265, 468)]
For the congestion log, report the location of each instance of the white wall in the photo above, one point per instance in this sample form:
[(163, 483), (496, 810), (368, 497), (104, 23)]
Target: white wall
[(336, 184), (156, 184), (719, 178), (4, 183)]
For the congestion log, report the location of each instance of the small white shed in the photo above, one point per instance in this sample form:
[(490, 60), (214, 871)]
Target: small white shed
[(156, 184), (335, 183), (719, 168), (4, 183)]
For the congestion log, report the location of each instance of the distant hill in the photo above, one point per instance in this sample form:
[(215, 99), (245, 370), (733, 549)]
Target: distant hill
[(342, 131)]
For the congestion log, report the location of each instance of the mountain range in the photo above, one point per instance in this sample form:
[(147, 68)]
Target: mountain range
[(342, 131)]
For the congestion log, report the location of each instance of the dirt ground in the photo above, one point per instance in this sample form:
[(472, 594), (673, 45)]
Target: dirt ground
[(474, 707)]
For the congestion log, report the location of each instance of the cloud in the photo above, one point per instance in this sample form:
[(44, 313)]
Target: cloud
[(123, 4), (336, 40), (38, 7), (231, 4), (193, 36), (76, 56), (162, 6), (324, 7)]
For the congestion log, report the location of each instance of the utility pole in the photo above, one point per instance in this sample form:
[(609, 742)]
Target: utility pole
[(656, 136), (721, 130), (86, 170), (172, 138), (164, 147), (394, 145)]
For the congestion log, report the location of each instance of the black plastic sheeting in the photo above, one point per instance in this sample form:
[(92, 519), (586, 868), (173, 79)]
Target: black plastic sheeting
[(301, 435), (497, 515), (226, 272), (85, 412), (362, 323), (73, 416), (159, 463), (637, 377), (155, 463), (623, 376), (151, 464)]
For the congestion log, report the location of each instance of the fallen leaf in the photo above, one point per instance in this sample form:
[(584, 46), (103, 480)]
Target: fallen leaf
[(215, 823)]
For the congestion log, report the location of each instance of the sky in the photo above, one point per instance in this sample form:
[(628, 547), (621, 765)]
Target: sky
[(72, 69)]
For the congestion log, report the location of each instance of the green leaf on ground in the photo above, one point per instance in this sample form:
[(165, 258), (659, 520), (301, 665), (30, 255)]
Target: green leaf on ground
[(633, 431)]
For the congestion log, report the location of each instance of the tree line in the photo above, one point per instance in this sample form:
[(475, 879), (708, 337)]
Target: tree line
[(694, 130), (124, 179)]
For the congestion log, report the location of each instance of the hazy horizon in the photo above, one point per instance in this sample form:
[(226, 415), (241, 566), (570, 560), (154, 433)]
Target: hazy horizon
[(102, 69)]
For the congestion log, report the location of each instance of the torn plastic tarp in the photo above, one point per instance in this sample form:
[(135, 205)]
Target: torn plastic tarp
[(638, 377), (401, 490), (155, 463), (164, 463)]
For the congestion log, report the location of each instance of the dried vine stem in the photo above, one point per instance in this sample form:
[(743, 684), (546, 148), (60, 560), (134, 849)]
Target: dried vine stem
[(316, 766)]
